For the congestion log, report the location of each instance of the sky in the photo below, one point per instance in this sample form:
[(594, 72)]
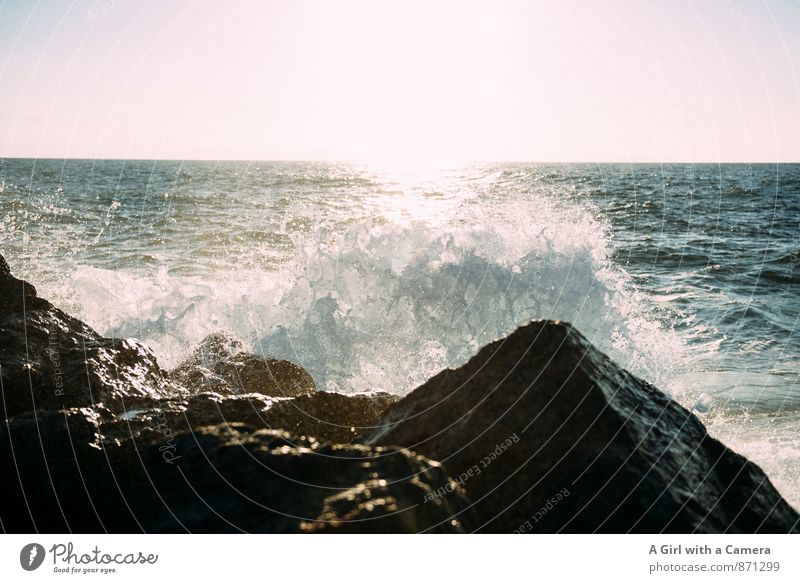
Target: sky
[(542, 81)]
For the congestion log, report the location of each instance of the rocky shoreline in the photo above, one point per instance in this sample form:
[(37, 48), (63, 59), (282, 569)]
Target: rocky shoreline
[(539, 432)]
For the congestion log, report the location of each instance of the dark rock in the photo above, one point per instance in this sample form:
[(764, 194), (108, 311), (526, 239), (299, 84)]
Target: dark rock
[(231, 479), (58, 478), (220, 364), (62, 477), (215, 409), (559, 439), (50, 360), (176, 415), (329, 417), (166, 416)]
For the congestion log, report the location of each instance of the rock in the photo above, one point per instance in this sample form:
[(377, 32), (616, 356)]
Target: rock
[(176, 415), (220, 364), (167, 417), (329, 417), (548, 435), (50, 360), (231, 479), (61, 477), (58, 478)]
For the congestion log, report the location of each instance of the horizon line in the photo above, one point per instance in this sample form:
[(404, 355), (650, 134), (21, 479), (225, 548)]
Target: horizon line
[(367, 163)]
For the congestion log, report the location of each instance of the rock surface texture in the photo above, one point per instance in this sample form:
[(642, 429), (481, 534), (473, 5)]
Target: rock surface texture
[(560, 439), (224, 478), (221, 364)]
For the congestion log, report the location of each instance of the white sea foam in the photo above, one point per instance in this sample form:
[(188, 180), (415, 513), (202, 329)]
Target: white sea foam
[(388, 302)]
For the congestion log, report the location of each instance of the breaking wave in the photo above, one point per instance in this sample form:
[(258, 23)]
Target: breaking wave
[(385, 304)]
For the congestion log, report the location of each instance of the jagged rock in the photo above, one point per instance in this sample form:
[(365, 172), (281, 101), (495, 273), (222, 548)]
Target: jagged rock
[(234, 479), (62, 477), (558, 438), (176, 415), (168, 416), (50, 360), (220, 364), (330, 417), (58, 478)]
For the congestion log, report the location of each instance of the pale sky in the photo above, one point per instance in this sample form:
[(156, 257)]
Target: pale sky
[(626, 81)]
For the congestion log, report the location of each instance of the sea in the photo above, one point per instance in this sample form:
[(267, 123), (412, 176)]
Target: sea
[(374, 277)]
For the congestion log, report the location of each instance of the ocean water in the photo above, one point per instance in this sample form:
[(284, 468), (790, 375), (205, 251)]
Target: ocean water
[(688, 275)]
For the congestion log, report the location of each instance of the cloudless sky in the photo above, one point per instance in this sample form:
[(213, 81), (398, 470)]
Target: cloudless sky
[(560, 80)]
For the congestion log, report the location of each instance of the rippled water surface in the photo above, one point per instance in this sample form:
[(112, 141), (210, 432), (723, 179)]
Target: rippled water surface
[(689, 275)]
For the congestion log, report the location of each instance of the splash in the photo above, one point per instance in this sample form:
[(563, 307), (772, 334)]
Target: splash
[(390, 299)]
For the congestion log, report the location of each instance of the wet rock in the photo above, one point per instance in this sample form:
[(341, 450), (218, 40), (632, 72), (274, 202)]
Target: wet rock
[(62, 477), (329, 417), (173, 416), (59, 478), (166, 417), (215, 409), (232, 479), (50, 360), (548, 435), (220, 364)]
